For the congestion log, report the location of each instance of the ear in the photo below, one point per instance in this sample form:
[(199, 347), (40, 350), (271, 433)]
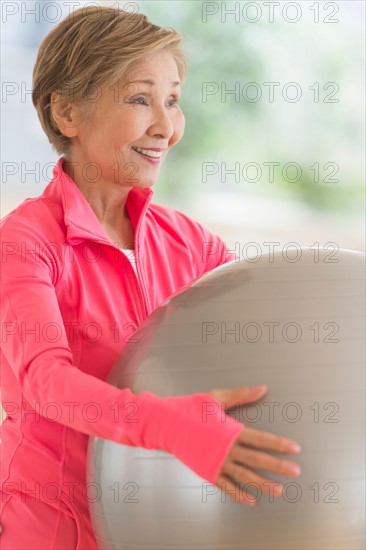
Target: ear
[(65, 114)]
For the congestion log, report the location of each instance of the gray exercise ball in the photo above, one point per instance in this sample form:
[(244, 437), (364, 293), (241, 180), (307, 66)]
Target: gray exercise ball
[(293, 321)]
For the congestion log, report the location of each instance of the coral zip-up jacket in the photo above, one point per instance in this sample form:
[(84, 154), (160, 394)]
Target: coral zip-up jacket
[(70, 300)]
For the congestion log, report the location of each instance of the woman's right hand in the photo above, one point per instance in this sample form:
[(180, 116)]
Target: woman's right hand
[(248, 452)]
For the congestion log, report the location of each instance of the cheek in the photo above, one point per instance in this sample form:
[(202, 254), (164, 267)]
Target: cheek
[(128, 128), (109, 141)]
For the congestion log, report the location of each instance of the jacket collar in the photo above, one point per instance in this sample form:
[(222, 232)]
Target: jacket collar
[(80, 219)]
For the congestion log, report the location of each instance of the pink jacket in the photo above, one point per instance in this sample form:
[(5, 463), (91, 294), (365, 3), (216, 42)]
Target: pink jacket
[(70, 300)]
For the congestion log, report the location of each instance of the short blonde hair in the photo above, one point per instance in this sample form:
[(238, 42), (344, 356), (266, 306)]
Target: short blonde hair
[(93, 46)]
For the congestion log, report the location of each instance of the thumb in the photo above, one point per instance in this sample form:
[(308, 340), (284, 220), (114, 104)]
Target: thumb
[(239, 395)]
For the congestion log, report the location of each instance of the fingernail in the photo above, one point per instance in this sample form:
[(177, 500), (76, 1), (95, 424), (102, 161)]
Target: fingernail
[(261, 387), (294, 469), (294, 447), (278, 489)]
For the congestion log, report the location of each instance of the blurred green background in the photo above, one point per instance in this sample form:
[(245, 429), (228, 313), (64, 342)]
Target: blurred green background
[(304, 132)]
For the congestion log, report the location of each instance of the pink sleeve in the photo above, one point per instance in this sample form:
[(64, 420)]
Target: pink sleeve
[(46, 374), (210, 250)]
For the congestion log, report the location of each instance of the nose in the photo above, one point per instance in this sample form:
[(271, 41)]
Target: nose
[(162, 123)]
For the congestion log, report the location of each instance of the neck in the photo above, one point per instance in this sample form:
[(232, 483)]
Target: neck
[(107, 199)]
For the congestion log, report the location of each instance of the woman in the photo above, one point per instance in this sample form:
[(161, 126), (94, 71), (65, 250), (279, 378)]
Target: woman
[(83, 265)]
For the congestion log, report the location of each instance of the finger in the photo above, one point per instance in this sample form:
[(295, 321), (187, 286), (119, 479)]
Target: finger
[(264, 461), (238, 396), (267, 440), (256, 482), (234, 491)]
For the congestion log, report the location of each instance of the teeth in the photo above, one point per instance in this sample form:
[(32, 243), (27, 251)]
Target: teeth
[(148, 152)]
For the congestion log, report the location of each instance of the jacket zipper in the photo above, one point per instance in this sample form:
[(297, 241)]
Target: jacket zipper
[(138, 284), (137, 274), (140, 280), (141, 288)]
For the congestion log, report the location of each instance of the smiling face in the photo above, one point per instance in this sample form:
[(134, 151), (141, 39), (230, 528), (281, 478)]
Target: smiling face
[(129, 115)]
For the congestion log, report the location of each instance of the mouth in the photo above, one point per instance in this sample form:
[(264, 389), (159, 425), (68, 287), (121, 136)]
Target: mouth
[(149, 154)]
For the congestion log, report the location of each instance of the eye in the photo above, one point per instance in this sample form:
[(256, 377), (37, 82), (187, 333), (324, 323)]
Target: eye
[(139, 99), (174, 101)]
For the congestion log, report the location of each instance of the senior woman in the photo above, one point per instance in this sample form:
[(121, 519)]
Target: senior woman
[(83, 265)]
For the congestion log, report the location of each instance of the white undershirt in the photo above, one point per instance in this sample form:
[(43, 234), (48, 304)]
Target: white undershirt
[(130, 255)]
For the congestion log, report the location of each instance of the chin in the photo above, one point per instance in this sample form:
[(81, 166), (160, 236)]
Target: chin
[(145, 184)]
